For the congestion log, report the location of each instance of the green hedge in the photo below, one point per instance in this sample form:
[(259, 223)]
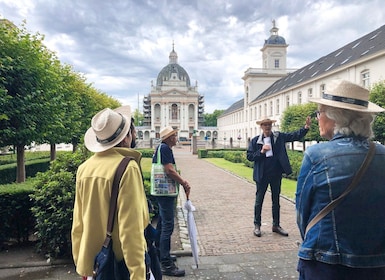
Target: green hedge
[(15, 212), (146, 153), (8, 171), (238, 156)]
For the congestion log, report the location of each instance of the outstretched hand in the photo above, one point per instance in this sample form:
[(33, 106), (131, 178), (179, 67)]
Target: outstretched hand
[(308, 122)]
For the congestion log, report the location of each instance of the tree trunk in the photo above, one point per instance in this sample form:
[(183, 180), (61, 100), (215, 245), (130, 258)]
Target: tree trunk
[(20, 170), (74, 143), (52, 151)]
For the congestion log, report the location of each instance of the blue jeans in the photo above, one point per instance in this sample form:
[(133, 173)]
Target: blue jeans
[(275, 186), (166, 227), (314, 270)]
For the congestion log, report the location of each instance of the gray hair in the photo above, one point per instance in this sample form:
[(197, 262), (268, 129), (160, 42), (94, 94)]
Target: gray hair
[(349, 122)]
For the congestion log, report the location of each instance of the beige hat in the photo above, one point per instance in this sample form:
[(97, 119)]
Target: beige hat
[(346, 95), (167, 132), (108, 128), (266, 120)]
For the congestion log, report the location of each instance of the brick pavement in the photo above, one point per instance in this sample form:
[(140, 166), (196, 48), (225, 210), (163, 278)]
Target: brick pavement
[(224, 219), (225, 207)]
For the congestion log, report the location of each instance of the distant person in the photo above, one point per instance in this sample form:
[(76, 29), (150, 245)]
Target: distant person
[(349, 242), (110, 138), (268, 152), (166, 204)]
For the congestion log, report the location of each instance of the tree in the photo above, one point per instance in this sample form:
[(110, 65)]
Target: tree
[(65, 119), (294, 117), (138, 117), (211, 119), (28, 90), (377, 95)]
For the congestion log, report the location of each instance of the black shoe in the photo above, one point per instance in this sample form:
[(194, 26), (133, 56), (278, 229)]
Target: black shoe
[(172, 270), (173, 258), (257, 231), (280, 231)]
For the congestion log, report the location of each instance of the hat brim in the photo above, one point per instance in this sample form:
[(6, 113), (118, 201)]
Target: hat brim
[(164, 137), (372, 108), (265, 121), (90, 139)]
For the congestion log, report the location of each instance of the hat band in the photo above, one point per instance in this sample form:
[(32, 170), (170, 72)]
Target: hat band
[(113, 136), (345, 100)]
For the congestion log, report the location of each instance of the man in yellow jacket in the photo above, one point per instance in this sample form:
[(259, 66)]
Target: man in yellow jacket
[(110, 138)]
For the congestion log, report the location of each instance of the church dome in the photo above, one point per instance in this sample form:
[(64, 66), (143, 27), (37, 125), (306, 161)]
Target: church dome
[(173, 71)]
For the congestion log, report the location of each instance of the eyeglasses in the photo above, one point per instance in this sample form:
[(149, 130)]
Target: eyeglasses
[(316, 114)]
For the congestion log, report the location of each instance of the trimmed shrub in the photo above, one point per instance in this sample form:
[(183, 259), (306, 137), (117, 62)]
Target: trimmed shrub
[(17, 219), (53, 201), (202, 153), (235, 157), (8, 171)]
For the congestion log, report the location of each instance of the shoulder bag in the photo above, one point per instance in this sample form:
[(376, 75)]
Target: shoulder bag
[(161, 184), (328, 208), (106, 267)]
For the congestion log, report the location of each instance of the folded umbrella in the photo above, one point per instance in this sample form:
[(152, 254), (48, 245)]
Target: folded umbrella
[(192, 229)]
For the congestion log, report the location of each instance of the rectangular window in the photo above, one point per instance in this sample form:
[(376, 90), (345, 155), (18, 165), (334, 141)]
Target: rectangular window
[(322, 89), (310, 93), (365, 79), (277, 106), (271, 108), (276, 63)]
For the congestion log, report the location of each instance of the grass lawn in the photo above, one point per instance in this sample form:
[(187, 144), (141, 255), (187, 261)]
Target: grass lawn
[(239, 169), (288, 186)]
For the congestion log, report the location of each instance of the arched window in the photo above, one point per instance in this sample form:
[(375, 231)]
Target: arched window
[(191, 112), (157, 112), (174, 112)]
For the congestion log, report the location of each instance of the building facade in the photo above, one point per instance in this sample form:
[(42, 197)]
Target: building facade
[(269, 90), (173, 101)]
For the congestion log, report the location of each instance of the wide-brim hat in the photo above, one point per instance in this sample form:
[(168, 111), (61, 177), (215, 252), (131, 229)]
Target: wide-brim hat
[(167, 132), (347, 95), (108, 128), (266, 120)]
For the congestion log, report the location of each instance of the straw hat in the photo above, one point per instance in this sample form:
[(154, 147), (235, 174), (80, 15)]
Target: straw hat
[(266, 120), (167, 132), (108, 128), (346, 95)]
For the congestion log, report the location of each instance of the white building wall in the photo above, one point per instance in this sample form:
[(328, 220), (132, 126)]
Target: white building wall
[(353, 72)]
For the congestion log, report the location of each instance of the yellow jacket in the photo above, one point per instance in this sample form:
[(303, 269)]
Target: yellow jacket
[(93, 191)]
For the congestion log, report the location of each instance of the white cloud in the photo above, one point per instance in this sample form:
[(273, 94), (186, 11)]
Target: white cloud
[(121, 46)]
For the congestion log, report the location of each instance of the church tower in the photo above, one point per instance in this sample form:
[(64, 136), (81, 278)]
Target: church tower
[(274, 51), (257, 80)]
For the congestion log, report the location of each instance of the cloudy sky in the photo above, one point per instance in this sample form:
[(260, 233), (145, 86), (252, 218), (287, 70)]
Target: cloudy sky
[(121, 45)]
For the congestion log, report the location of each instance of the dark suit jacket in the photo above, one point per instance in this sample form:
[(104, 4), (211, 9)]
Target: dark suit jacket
[(279, 138)]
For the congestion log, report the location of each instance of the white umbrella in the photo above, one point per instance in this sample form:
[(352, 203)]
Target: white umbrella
[(192, 229)]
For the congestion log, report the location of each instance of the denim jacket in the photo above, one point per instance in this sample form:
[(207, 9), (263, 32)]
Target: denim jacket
[(353, 234)]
